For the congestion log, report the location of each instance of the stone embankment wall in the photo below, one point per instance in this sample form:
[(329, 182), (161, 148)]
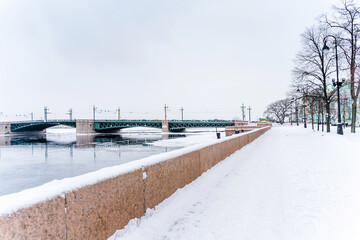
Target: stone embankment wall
[(96, 211)]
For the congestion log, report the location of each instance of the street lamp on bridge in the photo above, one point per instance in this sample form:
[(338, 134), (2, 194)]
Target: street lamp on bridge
[(166, 109), (182, 113), (46, 113), (243, 111), (70, 113)]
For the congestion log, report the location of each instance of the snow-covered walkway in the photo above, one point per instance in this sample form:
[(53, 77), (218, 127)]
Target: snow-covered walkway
[(290, 184)]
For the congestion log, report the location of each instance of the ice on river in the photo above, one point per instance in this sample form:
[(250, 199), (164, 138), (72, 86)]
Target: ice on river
[(32, 160)]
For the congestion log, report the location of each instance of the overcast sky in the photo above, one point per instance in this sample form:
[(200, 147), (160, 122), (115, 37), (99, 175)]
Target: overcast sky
[(206, 56)]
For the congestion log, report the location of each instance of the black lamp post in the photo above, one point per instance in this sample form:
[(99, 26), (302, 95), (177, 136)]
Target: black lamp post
[(304, 113), (296, 111), (297, 107), (337, 83)]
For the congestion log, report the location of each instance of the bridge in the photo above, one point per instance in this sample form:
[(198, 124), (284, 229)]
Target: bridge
[(37, 126), (84, 126)]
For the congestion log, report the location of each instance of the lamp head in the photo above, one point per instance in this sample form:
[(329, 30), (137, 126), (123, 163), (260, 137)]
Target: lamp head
[(333, 82), (325, 49)]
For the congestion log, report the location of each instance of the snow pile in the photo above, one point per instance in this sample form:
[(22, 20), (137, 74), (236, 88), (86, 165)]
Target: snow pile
[(291, 183)]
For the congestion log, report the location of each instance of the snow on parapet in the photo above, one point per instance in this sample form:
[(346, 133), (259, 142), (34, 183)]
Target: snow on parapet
[(12, 202)]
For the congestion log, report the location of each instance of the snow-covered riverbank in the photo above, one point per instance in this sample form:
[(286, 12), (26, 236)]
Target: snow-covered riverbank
[(292, 183)]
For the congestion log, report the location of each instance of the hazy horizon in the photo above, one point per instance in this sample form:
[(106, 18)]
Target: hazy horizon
[(208, 57)]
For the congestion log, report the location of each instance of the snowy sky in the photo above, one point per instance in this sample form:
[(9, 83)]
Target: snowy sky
[(207, 56)]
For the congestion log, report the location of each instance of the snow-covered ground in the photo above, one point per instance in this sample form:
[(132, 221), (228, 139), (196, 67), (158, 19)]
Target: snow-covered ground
[(291, 183)]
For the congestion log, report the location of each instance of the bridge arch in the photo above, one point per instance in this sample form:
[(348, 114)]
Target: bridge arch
[(107, 126), (38, 126)]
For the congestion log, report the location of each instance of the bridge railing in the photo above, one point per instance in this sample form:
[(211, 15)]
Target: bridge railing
[(43, 121), (127, 120), (122, 120)]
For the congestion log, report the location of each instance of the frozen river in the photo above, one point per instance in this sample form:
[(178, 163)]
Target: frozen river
[(28, 161)]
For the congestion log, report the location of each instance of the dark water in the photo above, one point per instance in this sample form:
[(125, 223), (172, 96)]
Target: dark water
[(28, 161)]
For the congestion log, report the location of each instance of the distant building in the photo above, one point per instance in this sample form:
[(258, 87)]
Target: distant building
[(346, 107), (345, 102)]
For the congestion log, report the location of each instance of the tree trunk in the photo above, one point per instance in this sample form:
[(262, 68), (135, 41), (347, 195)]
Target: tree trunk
[(353, 115), (312, 116), (322, 120), (318, 117), (327, 117), (318, 121), (344, 106)]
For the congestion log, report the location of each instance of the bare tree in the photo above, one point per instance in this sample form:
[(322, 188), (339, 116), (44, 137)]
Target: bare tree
[(312, 97), (311, 101), (313, 67), (279, 110), (346, 22)]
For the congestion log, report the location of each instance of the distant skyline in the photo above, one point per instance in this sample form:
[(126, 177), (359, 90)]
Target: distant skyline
[(206, 56)]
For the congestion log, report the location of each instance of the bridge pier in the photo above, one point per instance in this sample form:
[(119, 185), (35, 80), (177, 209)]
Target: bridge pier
[(5, 141), (5, 128), (165, 126), (85, 141), (85, 126), (239, 123)]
